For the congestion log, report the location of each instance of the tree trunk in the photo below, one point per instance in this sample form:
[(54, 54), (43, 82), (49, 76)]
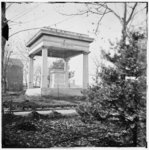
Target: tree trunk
[(124, 34), (3, 7)]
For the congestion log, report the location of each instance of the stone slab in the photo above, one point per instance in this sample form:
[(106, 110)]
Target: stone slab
[(64, 112), (56, 92)]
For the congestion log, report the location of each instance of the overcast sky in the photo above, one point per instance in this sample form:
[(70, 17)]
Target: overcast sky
[(25, 16)]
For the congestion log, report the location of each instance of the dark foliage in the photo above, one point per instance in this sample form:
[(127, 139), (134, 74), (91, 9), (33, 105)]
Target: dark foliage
[(27, 126), (120, 98), (63, 132)]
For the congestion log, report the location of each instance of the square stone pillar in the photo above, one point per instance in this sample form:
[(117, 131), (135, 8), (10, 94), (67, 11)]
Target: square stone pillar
[(66, 73), (31, 72), (44, 69), (85, 70)]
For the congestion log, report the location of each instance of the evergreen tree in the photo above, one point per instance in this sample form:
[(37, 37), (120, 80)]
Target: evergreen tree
[(119, 100)]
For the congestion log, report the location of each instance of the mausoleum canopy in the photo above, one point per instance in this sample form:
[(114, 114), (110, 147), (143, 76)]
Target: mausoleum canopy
[(59, 43)]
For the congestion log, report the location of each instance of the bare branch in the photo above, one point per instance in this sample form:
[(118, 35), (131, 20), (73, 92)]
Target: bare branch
[(94, 12), (23, 31), (9, 6), (113, 12), (89, 10), (125, 13), (98, 8), (100, 20), (80, 13), (131, 13), (134, 14)]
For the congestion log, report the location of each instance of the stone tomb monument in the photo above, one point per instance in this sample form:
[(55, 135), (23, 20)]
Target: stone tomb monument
[(49, 42), (57, 78)]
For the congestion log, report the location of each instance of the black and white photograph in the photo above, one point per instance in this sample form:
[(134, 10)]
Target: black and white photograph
[(74, 74)]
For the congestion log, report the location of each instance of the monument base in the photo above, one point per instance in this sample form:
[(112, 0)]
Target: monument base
[(55, 92)]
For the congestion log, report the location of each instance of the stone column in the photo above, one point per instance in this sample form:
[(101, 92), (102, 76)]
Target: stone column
[(44, 69), (85, 70), (31, 72), (66, 73)]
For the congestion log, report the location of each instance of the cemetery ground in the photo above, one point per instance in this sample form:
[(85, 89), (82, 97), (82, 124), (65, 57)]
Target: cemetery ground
[(37, 130), (54, 129)]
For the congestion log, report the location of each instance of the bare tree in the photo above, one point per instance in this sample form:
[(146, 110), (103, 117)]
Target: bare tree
[(4, 38), (101, 9), (6, 60), (23, 52), (97, 64)]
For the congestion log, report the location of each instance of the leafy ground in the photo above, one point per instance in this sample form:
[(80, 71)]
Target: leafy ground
[(57, 130), (54, 130)]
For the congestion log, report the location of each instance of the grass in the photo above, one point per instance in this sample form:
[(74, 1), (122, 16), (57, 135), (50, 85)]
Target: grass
[(22, 102)]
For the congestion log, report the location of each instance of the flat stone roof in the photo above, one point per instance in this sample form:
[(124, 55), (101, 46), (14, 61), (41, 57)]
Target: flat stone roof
[(59, 33)]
